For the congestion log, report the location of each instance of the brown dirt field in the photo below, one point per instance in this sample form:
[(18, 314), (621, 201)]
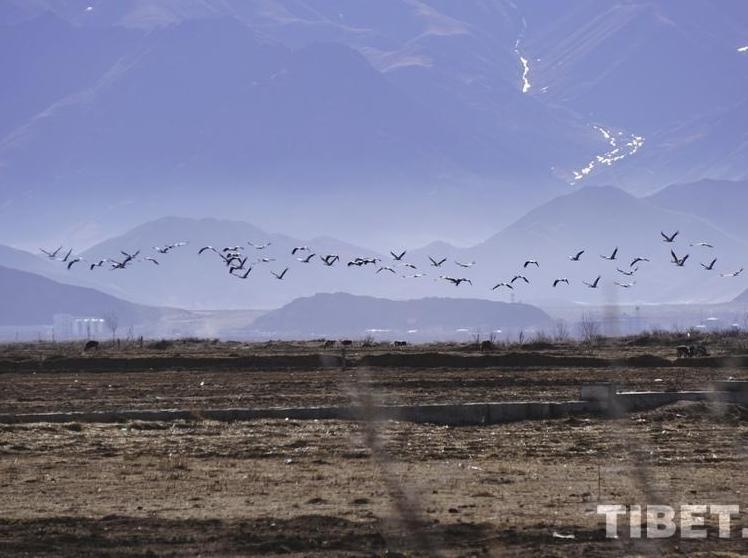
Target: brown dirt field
[(317, 488)]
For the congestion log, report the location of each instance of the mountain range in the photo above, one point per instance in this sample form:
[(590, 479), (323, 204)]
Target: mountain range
[(375, 122)]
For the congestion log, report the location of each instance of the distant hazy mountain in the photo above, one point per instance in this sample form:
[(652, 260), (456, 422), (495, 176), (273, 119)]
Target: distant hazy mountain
[(348, 315), (721, 202), (30, 299), (372, 122)]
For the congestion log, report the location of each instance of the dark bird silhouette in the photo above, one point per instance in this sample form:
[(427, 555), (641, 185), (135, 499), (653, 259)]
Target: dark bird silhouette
[(637, 260), (154, 260), (530, 262), (669, 238), (592, 285), (560, 280), (74, 261), (624, 285), (329, 259), (242, 276), (67, 255), (466, 264), (437, 263), (627, 273), (702, 244), (204, 248), (259, 246), (710, 266), (678, 261), (299, 249), (518, 277), (497, 285), (410, 265), (457, 281), (307, 259), (612, 255), (386, 268), (97, 264), (398, 257), (575, 257), (51, 255), (279, 275)]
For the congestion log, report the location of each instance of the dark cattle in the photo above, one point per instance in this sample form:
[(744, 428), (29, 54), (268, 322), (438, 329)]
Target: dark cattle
[(699, 350), (683, 351), (346, 342), (91, 346), (487, 346), (328, 344), (400, 343)]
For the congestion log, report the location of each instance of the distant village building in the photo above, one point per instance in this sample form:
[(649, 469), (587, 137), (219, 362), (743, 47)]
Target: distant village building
[(67, 326)]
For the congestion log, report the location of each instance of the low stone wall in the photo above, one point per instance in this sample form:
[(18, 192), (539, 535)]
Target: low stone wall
[(466, 414)]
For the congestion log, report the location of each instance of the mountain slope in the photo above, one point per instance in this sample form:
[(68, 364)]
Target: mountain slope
[(30, 299), (721, 202), (348, 315)]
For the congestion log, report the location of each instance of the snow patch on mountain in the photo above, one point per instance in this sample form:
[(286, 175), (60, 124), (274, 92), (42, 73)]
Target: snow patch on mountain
[(621, 146)]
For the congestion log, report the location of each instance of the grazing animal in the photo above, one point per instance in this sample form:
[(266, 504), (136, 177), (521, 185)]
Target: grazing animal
[(346, 342), (486, 346), (400, 343), (329, 343), (91, 346), (683, 351)]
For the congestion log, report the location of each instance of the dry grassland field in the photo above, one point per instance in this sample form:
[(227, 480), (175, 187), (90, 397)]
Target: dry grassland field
[(349, 488)]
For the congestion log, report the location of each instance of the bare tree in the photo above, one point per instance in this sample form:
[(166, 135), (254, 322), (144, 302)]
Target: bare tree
[(560, 331), (589, 328), (111, 320)]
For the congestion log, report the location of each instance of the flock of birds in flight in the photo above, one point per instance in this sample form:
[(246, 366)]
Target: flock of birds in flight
[(237, 262)]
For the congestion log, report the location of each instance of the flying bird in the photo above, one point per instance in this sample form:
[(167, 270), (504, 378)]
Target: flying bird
[(710, 266), (467, 264), (678, 261), (669, 238), (398, 257), (329, 259), (575, 257), (437, 263), (627, 273), (410, 265), (530, 262), (517, 277), (386, 268), (51, 255), (67, 255), (624, 285), (204, 248), (560, 280), (259, 246), (637, 260), (612, 255), (244, 275), (279, 275), (97, 264), (74, 261), (307, 259), (507, 285), (299, 249), (456, 281), (592, 285), (154, 260), (733, 274), (702, 244)]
